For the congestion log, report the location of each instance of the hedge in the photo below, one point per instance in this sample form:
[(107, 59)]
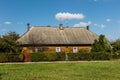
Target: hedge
[(84, 55), (60, 56), (15, 57), (101, 56), (36, 57), (43, 56), (81, 55), (10, 57), (3, 57), (73, 57), (50, 56), (89, 56)]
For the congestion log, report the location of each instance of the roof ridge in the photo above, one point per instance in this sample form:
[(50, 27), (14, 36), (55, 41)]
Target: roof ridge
[(57, 27)]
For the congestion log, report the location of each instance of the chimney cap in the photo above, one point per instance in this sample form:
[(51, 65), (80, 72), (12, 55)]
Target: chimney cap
[(48, 26), (28, 26), (88, 27), (61, 26)]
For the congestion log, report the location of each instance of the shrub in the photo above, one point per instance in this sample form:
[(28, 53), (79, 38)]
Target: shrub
[(13, 57), (60, 56), (36, 57), (73, 57), (3, 57), (84, 55), (21, 57), (44, 56), (81, 55), (7, 57), (116, 55), (50, 56), (101, 56)]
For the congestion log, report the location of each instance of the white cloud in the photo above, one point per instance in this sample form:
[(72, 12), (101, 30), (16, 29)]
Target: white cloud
[(69, 16), (108, 20), (99, 25), (95, 24), (82, 24), (7, 22), (102, 26)]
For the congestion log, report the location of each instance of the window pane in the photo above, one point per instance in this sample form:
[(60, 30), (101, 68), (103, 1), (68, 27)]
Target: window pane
[(58, 49), (75, 49)]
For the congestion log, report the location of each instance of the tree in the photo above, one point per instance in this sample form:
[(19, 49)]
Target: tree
[(116, 45), (101, 45), (116, 49), (8, 43), (101, 49)]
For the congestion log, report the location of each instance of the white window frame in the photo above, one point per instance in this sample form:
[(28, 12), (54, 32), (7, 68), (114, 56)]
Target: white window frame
[(58, 49), (36, 49), (75, 49)]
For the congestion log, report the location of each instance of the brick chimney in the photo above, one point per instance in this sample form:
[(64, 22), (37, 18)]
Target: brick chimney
[(28, 26), (61, 26), (88, 28)]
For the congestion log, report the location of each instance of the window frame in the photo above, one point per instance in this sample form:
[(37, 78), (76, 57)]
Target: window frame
[(58, 49), (75, 49)]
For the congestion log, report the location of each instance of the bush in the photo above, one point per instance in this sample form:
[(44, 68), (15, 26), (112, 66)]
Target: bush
[(15, 57), (50, 56), (3, 57), (61, 56), (36, 57), (7, 57), (116, 55), (101, 56), (73, 57), (42, 56), (81, 55), (21, 57), (84, 55)]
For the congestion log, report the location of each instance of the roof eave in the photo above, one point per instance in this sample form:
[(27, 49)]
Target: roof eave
[(27, 45)]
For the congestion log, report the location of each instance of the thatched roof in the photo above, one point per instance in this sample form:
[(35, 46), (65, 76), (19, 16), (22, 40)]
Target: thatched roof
[(56, 36)]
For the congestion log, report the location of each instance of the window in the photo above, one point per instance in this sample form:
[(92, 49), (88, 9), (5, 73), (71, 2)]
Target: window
[(58, 49), (36, 49), (75, 49), (39, 49)]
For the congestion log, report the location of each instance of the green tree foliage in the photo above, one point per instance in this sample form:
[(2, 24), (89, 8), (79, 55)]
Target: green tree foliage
[(116, 45), (101, 45), (116, 49), (8, 43)]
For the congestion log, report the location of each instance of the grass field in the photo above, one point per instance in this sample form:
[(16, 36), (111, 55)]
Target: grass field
[(106, 70)]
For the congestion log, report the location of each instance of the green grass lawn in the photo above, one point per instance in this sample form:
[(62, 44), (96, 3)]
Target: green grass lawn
[(106, 70)]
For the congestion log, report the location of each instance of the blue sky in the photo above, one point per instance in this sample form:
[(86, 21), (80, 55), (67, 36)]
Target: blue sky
[(103, 16)]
